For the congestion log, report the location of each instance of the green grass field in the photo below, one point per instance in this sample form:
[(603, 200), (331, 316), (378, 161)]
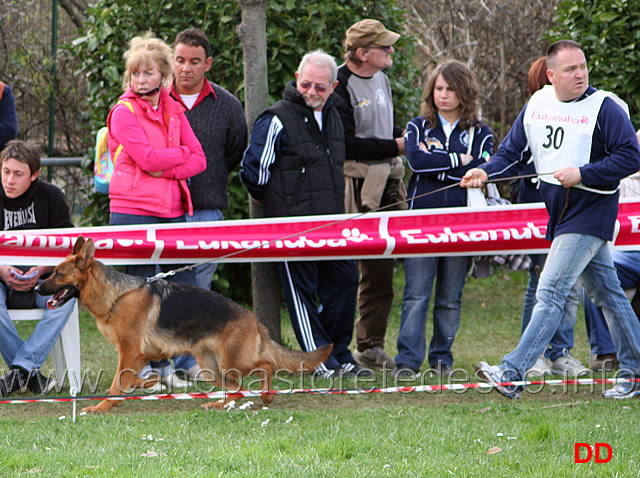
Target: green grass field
[(467, 434)]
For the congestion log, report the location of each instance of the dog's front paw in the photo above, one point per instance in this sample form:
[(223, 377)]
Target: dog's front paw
[(219, 405), (103, 406)]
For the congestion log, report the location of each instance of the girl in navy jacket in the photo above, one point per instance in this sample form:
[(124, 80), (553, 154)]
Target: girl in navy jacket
[(441, 145)]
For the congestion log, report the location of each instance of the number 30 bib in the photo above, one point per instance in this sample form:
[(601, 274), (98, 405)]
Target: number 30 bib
[(560, 134)]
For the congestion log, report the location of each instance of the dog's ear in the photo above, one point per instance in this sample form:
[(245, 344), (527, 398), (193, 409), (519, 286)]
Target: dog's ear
[(89, 249), (85, 255), (78, 245)]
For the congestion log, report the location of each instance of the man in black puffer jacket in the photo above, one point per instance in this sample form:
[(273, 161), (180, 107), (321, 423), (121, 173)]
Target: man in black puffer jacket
[(294, 165)]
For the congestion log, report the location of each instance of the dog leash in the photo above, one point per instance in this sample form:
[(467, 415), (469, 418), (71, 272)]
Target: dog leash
[(163, 275)]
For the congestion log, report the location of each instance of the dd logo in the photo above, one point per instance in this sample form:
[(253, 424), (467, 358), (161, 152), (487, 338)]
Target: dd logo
[(598, 457)]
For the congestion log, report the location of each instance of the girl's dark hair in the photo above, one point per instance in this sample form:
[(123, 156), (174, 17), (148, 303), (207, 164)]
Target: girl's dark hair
[(461, 80)]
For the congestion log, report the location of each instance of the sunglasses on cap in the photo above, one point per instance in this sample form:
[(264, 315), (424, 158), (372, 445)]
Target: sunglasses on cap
[(319, 88)]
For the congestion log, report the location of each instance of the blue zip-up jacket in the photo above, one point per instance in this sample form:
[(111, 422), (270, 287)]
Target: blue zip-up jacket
[(614, 155), (440, 165), (8, 116)]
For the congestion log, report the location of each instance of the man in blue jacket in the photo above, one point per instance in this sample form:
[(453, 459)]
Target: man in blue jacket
[(582, 143), (8, 116)]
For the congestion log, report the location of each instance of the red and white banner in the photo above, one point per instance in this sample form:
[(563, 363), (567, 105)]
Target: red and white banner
[(512, 229)]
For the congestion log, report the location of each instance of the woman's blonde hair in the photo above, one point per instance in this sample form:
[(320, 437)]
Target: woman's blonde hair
[(147, 50)]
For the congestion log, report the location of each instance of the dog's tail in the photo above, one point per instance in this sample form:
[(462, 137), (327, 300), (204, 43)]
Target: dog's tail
[(294, 360)]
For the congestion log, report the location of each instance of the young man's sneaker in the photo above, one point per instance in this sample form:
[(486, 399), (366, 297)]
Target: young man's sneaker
[(566, 364), (404, 372), (374, 357), (494, 375), (541, 368), (12, 381), (148, 374), (195, 374), (623, 390), (172, 381), (39, 383)]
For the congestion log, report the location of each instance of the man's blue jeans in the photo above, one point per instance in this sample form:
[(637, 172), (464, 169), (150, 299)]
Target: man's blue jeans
[(573, 257), (30, 354), (562, 341), (204, 272), (420, 273)]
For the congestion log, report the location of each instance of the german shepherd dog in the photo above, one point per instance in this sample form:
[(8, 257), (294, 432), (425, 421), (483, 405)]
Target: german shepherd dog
[(155, 320)]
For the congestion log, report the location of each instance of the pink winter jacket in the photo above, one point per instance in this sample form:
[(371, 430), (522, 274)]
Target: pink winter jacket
[(152, 140)]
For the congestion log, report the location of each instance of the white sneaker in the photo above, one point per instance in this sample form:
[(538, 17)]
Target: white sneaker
[(173, 381), (494, 375), (147, 372), (156, 388), (566, 364), (622, 391), (195, 374), (541, 368)]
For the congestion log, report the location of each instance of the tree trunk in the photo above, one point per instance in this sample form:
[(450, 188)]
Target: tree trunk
[(252, 33), (76, 9)]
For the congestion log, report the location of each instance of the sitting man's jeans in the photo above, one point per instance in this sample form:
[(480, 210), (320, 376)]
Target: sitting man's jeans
[(30, 354)]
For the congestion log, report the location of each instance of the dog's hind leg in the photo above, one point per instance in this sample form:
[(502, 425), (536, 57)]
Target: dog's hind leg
[(211, 372), (265, 368)]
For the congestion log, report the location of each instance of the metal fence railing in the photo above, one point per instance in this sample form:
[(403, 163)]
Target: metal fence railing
[(68, 175)]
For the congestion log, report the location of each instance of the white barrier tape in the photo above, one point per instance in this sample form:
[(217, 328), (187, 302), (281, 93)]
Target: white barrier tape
[(321, 391)]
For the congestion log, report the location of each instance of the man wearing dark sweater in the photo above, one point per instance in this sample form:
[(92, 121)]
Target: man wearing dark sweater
[(218, 120), (26, 202), (294, 166)]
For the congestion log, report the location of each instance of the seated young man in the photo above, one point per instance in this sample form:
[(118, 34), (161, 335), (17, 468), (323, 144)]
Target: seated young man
[(26, 202)]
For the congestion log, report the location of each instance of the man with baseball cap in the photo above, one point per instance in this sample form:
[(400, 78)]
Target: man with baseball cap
[(369, 31), (373, 171)]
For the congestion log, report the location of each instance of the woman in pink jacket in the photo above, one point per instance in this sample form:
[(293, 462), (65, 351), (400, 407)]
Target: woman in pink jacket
[(155, 152)]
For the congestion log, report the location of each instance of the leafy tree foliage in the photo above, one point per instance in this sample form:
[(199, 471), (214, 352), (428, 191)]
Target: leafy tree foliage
[(293, 29), (609, 33), (498, 40)]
